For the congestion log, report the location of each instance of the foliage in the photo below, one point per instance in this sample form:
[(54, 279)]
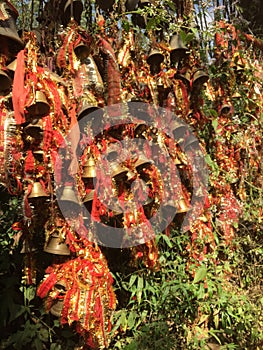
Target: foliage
[(182, 304)]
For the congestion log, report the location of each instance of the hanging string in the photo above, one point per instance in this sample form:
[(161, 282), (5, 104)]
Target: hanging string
[(71, 10), (32, 14)]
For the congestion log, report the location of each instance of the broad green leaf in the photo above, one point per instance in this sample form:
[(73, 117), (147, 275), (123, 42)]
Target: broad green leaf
[(200, 274)]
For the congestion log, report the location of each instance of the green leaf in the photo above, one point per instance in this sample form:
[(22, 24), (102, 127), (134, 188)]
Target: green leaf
[(132, 280), (131, 319), (200, 274), (167, 241)]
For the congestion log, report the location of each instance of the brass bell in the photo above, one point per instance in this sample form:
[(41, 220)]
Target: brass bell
[(178, 130), (88, 200), (105, 4), (72, 9), (34, 129), (154, 60), (142, 162), (182, 206), (12, 65), (5, 83), (10, 42), (199, 78), (82, 51), (37, 191), (236, 95), (89, 168), (86, 108), (89, 196), (40, 106), (130, 175), (57, 307), (186, 78), (69, 195), (27, 247), (117, 171), (137, 108), (225, 109), (178, 49), (191, 142), (56, 246)]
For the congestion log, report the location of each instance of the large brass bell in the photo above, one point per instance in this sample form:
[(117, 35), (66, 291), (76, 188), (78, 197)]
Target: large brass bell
[(40, 106), (56, 246), (10, 42), (105, 4), (154, 60), (37, 191), (72, 9), (69, 202), (178, 49), (89, 168), (5, 83)]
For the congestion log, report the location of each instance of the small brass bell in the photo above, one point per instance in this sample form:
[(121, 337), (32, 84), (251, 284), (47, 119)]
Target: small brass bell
[(5, 83), (82, 51), (199, 78), (105, 4), (12, 65), (117, 171), (178, 130), (225, 109), (10, 42), (89, 168), (72, 12), (236, 95), (37, 191), (40, 106), (137, 108), (186, 78), (130, 175), (178, 49), (69, 195), (88, 200), (57, 307), (86, 108), (154, 60), (142, 162), (182, 206), (191, 142), (56, 246), (34, 129), (27, 247)]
